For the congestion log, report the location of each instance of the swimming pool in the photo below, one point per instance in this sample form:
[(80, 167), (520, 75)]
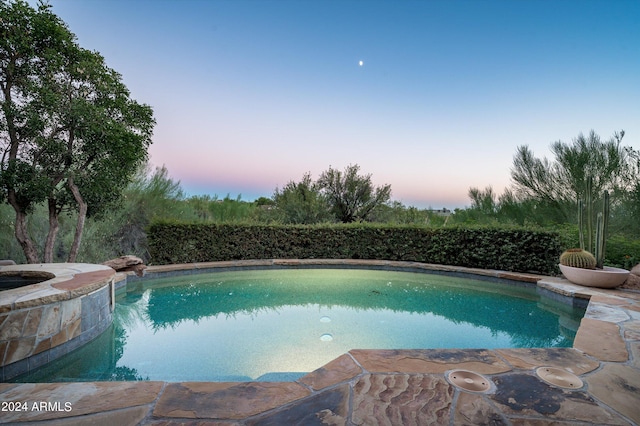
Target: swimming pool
[(280, 324)]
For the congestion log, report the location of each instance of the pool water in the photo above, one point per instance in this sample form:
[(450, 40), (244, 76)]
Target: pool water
[(9, 282), (280, 324)]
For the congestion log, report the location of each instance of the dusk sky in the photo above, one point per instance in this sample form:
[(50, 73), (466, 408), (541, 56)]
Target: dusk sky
[(432, 97)]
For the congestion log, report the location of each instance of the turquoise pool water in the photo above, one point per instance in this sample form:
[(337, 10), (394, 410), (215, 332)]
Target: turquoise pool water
[(280, 324)]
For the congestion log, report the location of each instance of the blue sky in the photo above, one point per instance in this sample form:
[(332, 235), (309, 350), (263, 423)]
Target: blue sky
[(249, 95)]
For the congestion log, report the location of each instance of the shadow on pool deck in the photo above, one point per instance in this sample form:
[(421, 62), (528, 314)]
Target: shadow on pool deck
[(396, 387)]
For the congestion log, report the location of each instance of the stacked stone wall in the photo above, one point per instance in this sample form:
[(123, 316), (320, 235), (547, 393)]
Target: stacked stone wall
[(32, 336)]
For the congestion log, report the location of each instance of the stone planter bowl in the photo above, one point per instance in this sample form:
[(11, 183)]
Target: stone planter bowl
[(602, 278)]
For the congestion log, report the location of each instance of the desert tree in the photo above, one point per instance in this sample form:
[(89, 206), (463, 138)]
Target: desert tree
[(301, 202), (483, 200), (71, 136), (560, 183), (352, 197)]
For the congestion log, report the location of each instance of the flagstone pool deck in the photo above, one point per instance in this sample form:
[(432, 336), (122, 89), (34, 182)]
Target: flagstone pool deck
[(382, 387)]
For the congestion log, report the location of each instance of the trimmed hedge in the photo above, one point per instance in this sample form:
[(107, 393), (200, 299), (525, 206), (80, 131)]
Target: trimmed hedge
[(517, 250)]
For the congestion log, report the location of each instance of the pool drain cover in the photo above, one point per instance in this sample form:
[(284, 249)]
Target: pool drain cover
[(469, 381), (559, 377)]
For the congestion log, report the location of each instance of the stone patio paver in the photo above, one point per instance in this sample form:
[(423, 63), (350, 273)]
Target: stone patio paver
[(167, 422), (82, 398), (574, 361), (474, 409), (327, 407), (631, 330), (601, 339), (521, 394), (433, 361), (402, 399), (618, 386), (605, 312), (214, 400), (127, 416), (635, 354), (339, 370)]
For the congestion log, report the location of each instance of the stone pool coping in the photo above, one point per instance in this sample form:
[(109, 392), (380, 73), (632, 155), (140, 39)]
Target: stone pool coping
[(44, 321), (68, 280), (385, 386)]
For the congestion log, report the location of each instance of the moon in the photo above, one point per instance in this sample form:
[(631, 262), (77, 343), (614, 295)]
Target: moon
[(360, 63)]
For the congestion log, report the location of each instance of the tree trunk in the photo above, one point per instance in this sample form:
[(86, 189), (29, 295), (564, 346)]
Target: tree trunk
[(21, 233), (53, 232), (29, 249), (82, 215)]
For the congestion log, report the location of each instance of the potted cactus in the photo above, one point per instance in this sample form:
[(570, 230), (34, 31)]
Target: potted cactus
[(580, 266)]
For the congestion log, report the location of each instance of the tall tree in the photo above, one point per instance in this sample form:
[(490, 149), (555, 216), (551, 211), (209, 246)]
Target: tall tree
[(301, 202), (483, 200), (352, 197), (561, 183), (70, 134)]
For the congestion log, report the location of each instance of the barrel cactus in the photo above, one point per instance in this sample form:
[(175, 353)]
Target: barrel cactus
[(578, 258)]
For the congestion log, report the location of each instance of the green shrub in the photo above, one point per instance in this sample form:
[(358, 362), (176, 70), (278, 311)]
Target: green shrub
[(622, 252), (487, 248)]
